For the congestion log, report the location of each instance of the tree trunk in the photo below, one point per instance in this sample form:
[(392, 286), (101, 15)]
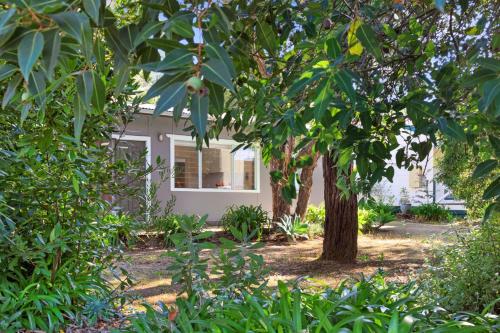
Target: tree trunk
[(280, 206), (340, 242), (306, 183)]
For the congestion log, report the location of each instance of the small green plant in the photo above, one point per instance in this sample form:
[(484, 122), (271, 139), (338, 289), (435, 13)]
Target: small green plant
[(432, 212), (189, 269), (373, 215), (315, 214), (123, 229), (170, 225), (254, 217), (292, 227)]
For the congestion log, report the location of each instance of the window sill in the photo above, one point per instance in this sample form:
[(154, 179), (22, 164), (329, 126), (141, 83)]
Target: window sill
[(212, 190)]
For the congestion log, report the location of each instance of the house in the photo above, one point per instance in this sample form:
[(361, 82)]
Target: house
[(210, 180)]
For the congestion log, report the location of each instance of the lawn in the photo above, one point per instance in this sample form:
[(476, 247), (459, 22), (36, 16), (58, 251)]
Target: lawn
[(398, 248)]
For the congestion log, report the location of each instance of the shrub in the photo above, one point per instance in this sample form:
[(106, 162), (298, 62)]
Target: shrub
[(254, 217), (432, 212), (292, 227), (315, 214), (124, 229), (171, 224), (373, 215), (464, 274)]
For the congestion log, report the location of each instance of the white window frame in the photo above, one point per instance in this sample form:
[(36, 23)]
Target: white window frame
[(186, 138), (147, 140)]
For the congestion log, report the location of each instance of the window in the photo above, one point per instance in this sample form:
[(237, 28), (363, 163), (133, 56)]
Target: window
[(214, 168), (130, 148)]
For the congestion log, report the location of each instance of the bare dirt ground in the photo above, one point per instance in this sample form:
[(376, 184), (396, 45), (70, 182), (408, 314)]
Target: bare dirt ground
[(399, 249)]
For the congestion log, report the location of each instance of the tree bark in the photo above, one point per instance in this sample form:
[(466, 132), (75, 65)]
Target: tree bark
[(340, 242), (306, 183), (280, 206)]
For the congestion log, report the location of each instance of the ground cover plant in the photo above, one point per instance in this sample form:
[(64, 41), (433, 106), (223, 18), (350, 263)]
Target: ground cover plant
[(431, 212)]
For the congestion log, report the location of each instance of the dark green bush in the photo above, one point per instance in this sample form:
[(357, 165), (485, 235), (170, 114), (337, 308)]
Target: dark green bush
[(254, 217), (464, 274), (432, 212), (372, 215)]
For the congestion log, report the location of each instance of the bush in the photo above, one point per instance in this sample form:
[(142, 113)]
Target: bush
[(124, 229), (432, 212), (315, 214), (464, 274), (171, 224), (254, 217), (373, 215)]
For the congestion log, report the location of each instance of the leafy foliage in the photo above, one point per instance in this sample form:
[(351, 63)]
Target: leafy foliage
[(463, 275), (254, 217), (369, 303), (432, 212), (315, 214), (373, 215)]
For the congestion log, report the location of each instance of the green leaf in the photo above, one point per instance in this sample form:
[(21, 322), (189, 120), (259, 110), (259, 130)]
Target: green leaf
[(182, 28), (452, 129), (491, 90), (344, 80), (493, 190), (175, 59), (28, 51), (215, 71), (150, 29), (179, 108), (266, 36), (7, 25), (85, 86), (98, 93), (92, 8), (73, 23), (218, 52), (160, 85), (7, 71), (489, 63), (11, 90), (199, 113), (76, 185), (484, 168), (122, 76), (216, 96), (50, 53), (323, 100), (369, 40), (170, 97), (332, 48), (80, 113), (36, 87)]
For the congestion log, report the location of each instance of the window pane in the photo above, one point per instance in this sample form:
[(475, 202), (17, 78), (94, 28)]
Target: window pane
[(186, 165), (216, 167), (131, 151), (244, 169)]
